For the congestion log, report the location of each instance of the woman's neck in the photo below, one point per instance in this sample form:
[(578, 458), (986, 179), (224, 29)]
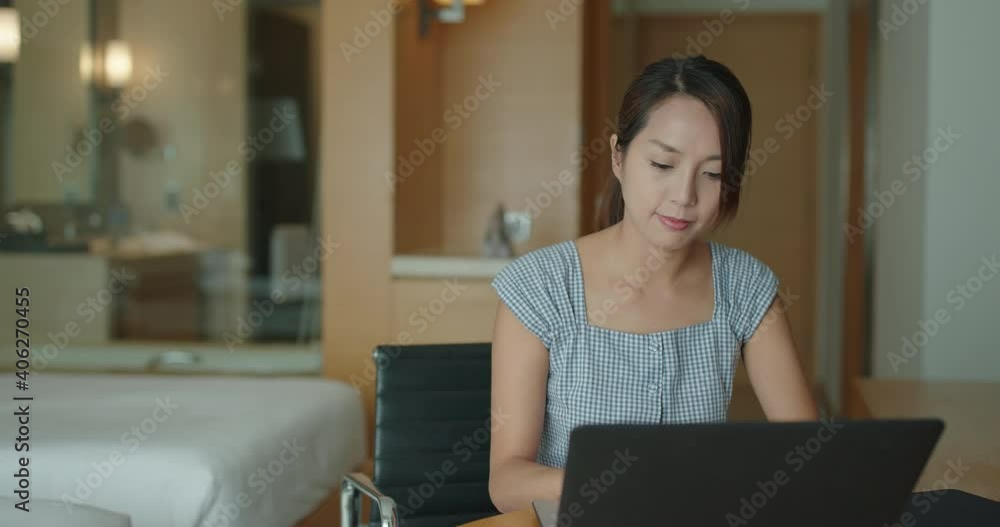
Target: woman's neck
[(631, 254)]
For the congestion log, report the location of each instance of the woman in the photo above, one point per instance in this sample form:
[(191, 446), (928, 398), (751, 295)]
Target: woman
[(643, 321)]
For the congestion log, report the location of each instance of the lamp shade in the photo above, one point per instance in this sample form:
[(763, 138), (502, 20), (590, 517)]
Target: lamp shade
[(117, 63), (86, 63), (10, 35)]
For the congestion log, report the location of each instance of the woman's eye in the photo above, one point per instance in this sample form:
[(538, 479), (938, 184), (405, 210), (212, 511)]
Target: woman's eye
[(659, 166), (713, 175)]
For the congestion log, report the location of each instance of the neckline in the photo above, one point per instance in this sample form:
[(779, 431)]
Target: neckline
[(582, 297)]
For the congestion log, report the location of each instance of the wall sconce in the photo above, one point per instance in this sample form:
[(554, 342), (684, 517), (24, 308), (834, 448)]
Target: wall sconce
[(10, 35), (86, 63), (111, 68), (117, 63), (446, 11)]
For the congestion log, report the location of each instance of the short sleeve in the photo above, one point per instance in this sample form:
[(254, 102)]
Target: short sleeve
[(521, 286), (755, 288)]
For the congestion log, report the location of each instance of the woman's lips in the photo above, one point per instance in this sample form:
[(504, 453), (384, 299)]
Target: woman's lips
[(672, 223)]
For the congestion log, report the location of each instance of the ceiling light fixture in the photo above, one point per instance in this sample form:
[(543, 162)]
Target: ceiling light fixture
[(445, 11)]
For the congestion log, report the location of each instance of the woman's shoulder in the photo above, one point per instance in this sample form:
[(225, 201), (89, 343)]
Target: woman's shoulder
[(748, 287), (552, 263), (537, 286), (737, 263)]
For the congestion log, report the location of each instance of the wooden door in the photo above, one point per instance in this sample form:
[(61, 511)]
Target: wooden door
[(776, 57)]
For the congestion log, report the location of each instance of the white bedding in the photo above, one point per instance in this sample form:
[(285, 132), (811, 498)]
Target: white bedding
[(185, 451)]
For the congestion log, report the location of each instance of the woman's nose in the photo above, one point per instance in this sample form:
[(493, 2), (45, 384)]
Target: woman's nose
[(683, 193)]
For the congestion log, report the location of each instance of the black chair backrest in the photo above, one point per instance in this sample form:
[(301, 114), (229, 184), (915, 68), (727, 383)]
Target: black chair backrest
[(432, 432)]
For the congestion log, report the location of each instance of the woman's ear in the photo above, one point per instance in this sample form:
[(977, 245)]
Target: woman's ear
[(617, 157)]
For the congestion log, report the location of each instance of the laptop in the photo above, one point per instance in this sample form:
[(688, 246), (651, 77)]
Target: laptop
[(828, 473)]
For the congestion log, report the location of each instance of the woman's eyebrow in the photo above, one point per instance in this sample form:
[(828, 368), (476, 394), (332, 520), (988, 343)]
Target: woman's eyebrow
[(668, 148)]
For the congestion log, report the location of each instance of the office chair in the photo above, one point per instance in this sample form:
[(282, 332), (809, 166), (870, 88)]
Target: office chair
[(432, 439)]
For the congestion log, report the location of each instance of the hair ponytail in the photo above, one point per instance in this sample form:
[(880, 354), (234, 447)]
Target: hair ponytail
[(612, 209)]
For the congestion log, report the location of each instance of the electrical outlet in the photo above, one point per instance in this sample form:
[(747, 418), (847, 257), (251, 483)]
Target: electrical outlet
[(518, 226)]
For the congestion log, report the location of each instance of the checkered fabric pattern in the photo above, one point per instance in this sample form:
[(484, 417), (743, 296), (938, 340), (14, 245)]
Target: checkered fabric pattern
[(604, 376)]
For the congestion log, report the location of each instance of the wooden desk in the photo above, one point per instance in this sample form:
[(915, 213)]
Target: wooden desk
[(525, 518), (971, 412)]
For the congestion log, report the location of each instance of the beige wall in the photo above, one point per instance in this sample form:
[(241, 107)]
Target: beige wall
[(356, 148), (49, 105), (962, 189), (526, 131), (512, 139), (897, 258), (935, 296), (199, 107)]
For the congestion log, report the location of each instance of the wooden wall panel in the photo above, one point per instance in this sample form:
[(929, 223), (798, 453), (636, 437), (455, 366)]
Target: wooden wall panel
[(433, 311), (418, 189), (356, 150)]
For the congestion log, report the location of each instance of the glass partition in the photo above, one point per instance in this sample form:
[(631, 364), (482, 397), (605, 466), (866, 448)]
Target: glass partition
[(159, 173)]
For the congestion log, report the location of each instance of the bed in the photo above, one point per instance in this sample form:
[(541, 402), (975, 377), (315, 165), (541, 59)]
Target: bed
[(191, 451)]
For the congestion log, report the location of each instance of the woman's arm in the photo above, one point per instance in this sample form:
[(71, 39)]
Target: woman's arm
[(520, 370), (775, 372)]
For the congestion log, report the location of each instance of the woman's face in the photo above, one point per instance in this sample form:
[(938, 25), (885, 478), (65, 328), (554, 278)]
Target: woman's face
[(671, 173)]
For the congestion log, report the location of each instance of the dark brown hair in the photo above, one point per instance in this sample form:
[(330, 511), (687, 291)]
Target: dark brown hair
[(711, 83)]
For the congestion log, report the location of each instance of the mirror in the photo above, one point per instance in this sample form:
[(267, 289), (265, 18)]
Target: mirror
[(47, 155), (180, 142), (141, 138)]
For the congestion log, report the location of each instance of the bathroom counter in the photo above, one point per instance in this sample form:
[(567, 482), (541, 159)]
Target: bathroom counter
[(435, 266)]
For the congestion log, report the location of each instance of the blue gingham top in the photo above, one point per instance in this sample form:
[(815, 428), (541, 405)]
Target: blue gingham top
[(605, 376)]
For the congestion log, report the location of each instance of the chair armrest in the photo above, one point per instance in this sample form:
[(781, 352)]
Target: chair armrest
[(350, 486)]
